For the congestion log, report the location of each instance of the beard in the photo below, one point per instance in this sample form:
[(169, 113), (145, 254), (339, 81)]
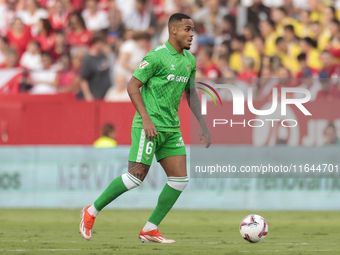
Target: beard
[(187, 47)]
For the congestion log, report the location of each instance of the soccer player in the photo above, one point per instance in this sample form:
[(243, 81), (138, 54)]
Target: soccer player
[(164, 73)]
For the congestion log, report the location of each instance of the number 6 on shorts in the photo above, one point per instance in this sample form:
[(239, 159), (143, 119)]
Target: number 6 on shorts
[(148, 148), (142, 150)]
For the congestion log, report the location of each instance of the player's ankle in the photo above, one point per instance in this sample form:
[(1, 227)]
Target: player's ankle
[(93, 211), (149, 226)]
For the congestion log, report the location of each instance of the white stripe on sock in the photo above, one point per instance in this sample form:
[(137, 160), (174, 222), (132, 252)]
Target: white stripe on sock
[(129, 184), (178, 183)]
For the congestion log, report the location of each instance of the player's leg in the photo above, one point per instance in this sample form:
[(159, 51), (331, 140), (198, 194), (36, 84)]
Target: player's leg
[(173, 161), (136, 174), (175, 168), (142, 153)]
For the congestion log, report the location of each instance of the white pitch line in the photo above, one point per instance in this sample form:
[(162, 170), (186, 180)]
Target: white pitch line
[(291, 250), (20, 250)]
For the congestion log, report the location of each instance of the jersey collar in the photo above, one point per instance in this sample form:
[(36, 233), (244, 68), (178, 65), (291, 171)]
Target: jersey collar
[(172, 50)]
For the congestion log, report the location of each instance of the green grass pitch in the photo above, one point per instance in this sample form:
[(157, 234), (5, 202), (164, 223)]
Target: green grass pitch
[(31, 231)]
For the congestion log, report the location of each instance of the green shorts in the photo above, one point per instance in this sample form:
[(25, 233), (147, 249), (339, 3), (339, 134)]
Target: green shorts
[(166, 144)]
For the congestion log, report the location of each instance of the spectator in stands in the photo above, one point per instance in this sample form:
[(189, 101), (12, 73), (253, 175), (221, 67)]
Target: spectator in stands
[(78, 56), (95, 72), (279, 16), (328, 91), (179, 6), (67, 80), (302, 59), (95, 19), (313, 85), (258, 11), (334, 28), (259, 44), (237, 47), (329, 15), (7, 15), (118, 93), (226, 29), (210, 16), (59, 16), (267, 29), (248, 73), (292, 41), (19, 36), (320, 35), (249, 33), (132, 52), (78, 34), (223, 62), (31, 59), (107, 140), (326, 60), (32, 15), (307, 46), (304, 28), (44, 80), (210, 70), (222, 49), (116, 30), (265, 83), (60, 46), (45, 35), (314, 7), (284, 80), (77, 5), (141, 18), (289, 61), (331, 135), (11, 59), (3, 48)]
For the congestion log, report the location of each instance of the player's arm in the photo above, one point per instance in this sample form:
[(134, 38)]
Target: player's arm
[(85, 88), (137, 100), (86, 73), (195, 106)]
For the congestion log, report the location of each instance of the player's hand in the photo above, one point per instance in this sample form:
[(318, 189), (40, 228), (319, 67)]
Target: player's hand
[(149, 128), (204, 131)]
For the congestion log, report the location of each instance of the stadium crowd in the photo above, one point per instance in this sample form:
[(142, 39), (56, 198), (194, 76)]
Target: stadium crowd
[(91, 48)]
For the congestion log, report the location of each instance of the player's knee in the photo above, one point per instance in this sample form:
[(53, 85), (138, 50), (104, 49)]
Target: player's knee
[(178, 183), (130, 181)]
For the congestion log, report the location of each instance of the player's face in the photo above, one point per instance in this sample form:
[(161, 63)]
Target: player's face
[(185, 33)]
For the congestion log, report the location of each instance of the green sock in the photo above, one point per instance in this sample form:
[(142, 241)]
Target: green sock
[(114, 190), (166, 200)]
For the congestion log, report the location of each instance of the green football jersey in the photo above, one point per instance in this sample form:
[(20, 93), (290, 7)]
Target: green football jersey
[(165, 74)]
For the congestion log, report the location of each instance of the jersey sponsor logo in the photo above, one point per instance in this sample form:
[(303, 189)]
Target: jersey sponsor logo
[(170, 77), (180, 142), (143, 64), (182, 79), (172, 67)]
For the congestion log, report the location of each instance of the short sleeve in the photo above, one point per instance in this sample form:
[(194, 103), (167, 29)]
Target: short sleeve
[(147, 68), (191, 82)]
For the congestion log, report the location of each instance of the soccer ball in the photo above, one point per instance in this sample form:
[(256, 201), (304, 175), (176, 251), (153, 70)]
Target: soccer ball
[(253, 228)]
